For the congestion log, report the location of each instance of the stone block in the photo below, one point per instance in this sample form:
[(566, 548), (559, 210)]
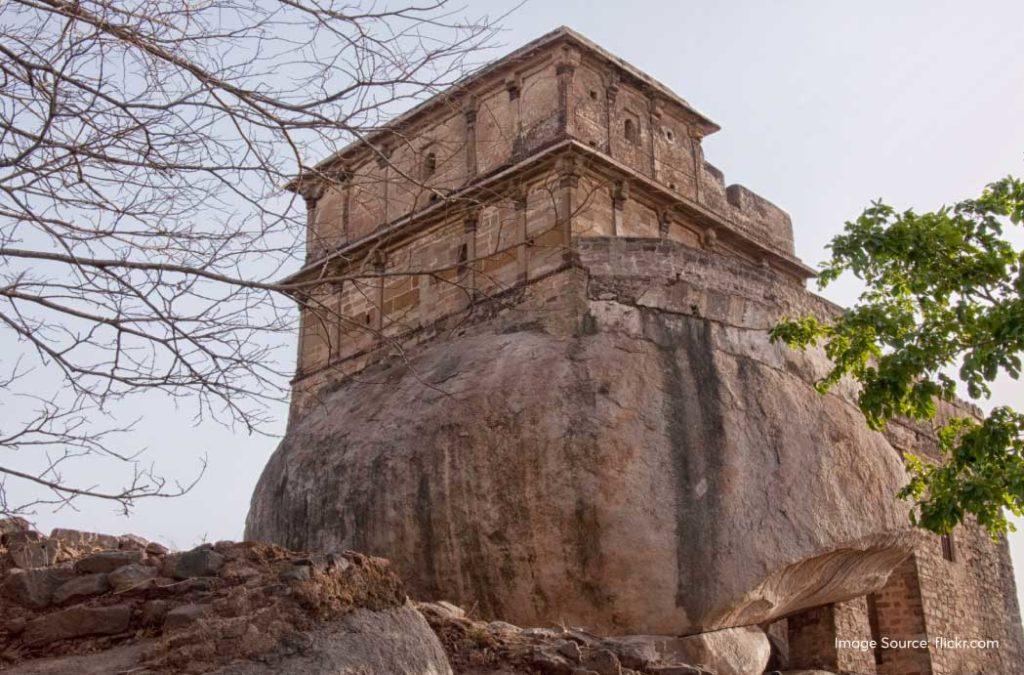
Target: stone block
[(199, 562), (184, 615), (81, 587), (81, 539), (34, 587), (132, 575), (78, 621), (108, 561)]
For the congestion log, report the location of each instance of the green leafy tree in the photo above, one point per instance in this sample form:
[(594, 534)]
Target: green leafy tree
[(943, 305)]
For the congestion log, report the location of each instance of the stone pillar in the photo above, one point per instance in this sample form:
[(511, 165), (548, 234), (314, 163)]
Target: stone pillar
[(383, 162), (469, 113), (568, 181), (698, 163), (565, 69), (654, 109), (523, 250), (664, 221), (711, 239), (514, 87), (611, 93), (346, 201), (619, 198), (470, 225), (311, 194), (380, 260)]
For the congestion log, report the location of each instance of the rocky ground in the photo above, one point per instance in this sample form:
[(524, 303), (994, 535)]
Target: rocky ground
[(89, 603)]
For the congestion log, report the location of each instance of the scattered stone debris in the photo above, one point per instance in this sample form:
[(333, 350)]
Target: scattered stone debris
[(192, 612), (498, 648), (104, 604)]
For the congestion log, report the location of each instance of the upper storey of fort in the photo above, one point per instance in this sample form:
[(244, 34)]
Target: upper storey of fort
[(560, 92), (498, 183)]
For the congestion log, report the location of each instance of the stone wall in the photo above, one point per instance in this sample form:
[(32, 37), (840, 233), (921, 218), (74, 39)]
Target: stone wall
[(428, 194), (530, 227), (964, 590)]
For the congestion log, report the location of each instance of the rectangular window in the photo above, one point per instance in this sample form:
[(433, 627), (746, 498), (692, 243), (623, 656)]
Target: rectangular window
[(948, 551)]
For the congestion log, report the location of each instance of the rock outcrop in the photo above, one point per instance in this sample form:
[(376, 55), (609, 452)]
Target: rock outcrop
[(238, 608), (633, 457), (253, 609)]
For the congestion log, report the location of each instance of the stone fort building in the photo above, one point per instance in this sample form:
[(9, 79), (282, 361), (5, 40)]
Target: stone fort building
[(534, 372)]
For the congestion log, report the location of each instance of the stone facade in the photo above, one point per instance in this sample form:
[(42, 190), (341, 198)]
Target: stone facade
[(534, 372), (484, 188)]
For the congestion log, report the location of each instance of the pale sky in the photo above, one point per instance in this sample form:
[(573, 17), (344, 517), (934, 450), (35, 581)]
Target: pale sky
[(824, 106)]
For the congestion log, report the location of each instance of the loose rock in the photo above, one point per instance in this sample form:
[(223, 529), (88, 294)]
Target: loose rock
[(199, 562), (732, 651), (81, 587), (83, 540), (128, 576), (108, 561), (78, 621), (180, 617), (34, 587), (155, 548), (131, 541)]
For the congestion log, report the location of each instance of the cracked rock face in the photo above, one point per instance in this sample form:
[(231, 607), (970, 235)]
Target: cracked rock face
[(648, 471)]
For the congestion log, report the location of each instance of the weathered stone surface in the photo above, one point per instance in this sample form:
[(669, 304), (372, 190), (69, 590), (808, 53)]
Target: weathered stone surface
[(33, 552), (77, 621), (156, 548), (132, 541), (107, 561), (128, 576), (81, 587), (80, 539), (182, 616), (154, 611), (199, 562), (34, 587), (121, 659), (11, 525), (732, 651), (396, 641), (646, 472)]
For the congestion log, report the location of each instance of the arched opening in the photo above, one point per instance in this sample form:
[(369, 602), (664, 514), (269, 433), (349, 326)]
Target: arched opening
[(631, 131)]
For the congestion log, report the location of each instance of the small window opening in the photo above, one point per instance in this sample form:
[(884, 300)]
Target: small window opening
[(593, 95), (670, 135), (948, 551), (672, 186), (368, 318), (631, 131), (513, 91), (429, 165)]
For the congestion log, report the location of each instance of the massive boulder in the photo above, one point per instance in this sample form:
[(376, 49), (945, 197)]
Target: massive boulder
[(633, 458)]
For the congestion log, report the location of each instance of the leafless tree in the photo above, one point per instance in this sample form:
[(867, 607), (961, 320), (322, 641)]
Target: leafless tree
[(143, 147)]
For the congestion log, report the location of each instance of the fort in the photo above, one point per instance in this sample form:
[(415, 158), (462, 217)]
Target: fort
[(534, 372)]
